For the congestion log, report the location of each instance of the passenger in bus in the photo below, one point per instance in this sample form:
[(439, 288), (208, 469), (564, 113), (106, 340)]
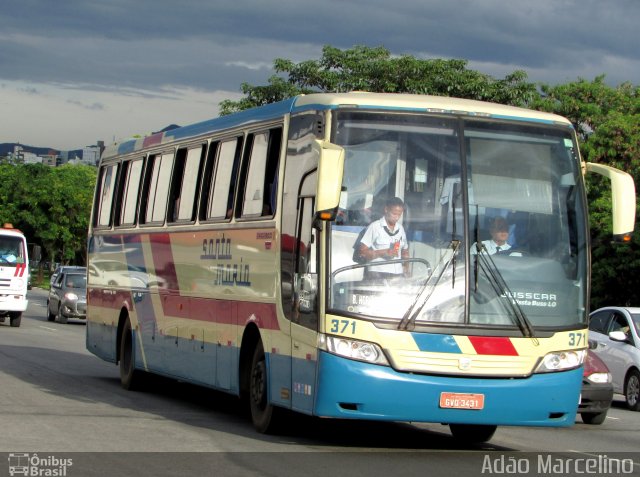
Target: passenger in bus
[(499, 231), (385, 240)]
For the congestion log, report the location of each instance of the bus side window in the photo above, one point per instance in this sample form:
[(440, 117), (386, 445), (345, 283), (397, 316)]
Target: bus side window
[(261, 174), (220, 178), (184, 184), (104, 198), (156, 190), (128, 189)]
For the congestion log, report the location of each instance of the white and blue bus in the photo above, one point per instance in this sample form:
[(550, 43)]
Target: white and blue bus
[(223, 254)]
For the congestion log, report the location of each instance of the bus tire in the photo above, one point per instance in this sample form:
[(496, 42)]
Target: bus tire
[(15, 319), (130, 377), (263, 414), (472, 433), (632, 390)]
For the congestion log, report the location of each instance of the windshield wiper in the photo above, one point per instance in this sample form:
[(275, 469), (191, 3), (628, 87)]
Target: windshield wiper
[(422, 297), (501, 289), (498, 283)]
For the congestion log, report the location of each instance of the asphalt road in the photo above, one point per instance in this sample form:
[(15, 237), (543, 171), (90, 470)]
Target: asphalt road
[(58, 401)]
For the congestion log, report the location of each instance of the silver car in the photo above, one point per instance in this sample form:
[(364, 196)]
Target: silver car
[(68, 296), (64, 268), (616, 331)]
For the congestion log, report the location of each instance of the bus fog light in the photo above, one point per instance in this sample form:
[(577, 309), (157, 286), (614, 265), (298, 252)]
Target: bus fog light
[(355, 349), (561, 361)]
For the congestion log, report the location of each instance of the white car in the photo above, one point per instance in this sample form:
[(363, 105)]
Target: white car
[(120, 274), (616, 330)]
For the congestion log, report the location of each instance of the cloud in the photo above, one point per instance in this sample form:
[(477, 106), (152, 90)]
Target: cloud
[(108, 57), (260, 65), (90, 107)]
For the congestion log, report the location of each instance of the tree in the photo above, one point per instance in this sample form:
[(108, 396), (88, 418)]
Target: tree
[(607, 120), (363, 68), (50, 205)]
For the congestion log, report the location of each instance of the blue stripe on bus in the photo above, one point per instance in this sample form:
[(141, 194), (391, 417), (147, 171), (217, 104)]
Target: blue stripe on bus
[(436, 343), (127, 146), (270, 111)]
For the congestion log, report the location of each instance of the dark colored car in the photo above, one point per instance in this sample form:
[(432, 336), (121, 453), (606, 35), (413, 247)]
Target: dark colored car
[(68, 296), (597, 390)]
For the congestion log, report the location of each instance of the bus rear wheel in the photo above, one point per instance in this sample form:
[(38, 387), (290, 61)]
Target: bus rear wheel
[(130, 377), (472, 433), (264, 415)]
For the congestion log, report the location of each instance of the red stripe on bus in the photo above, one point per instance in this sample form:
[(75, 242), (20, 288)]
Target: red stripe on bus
[(227, 312), (493, 345), (163, 259), (152, 140), (19, 271)]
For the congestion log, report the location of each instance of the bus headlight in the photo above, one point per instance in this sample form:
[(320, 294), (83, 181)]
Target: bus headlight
[(354, 349), (561, 361)]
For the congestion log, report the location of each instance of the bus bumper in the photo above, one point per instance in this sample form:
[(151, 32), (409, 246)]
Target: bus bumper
[(10, 302), (355, 390)]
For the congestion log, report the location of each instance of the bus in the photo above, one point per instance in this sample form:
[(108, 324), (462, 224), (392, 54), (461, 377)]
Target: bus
[(14, 274), (236, 239)]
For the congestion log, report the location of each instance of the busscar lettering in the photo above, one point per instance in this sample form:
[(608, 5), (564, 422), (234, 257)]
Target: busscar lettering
[(537, 299), (225, 271)]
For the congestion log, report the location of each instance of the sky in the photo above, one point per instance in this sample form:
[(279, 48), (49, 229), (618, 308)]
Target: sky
[(73, 72)]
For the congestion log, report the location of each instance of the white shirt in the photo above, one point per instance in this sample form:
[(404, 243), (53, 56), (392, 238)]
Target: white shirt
[(491, 247), (377, 238)]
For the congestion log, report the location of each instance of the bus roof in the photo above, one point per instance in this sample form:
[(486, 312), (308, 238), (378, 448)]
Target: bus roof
[(7, 229), (323, 101)]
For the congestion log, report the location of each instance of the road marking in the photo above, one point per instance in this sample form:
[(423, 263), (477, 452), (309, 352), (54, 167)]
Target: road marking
[(47, 328)]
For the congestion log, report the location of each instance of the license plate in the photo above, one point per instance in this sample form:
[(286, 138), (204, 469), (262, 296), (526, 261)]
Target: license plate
[(462, 401)]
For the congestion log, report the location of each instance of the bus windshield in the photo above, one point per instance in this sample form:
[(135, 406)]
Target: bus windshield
[(490, 227), (11, 250)]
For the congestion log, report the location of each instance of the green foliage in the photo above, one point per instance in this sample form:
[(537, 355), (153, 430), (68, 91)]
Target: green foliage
[(50, 205), (374, 69), (607, 120)]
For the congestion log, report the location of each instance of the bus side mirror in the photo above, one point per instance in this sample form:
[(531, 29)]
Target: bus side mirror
[(623, 200), (330, 169)]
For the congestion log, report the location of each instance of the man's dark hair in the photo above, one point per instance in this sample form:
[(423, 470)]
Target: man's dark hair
[(499, 223), (394, 202)]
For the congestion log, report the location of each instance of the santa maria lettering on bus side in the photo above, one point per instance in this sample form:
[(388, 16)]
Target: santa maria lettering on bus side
[(226, 272)]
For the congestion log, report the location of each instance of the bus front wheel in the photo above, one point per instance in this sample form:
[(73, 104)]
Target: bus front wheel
[(263, 414), (472, 433), (15, 319)]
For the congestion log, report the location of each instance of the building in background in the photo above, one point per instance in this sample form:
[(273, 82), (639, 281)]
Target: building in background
[(88, 155)]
